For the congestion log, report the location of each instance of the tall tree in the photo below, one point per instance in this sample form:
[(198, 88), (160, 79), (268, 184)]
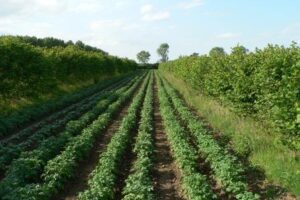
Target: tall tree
[(195, 54), (239, 49), (143, 57), (217, 51), (163, 52)]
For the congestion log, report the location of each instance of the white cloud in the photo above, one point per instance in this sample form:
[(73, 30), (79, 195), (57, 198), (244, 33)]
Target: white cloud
[(39, 29), (29, 7), (101, 41), (191, 4), (228, 35), (86, 7), (292, 28), (147, 8), (105, 24), (149, 13)]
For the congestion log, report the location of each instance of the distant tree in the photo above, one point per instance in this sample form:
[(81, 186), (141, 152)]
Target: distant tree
[(52, 42), (217, 51), (194, 54), (239, 49), (70, 42), (80, 44), (163, 52), (143, 56)]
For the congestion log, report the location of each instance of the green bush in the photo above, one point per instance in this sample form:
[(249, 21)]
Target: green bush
[(263, 83), (29, 67)]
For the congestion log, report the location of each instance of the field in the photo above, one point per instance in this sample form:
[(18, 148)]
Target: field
[(133, 138), (149, 100)]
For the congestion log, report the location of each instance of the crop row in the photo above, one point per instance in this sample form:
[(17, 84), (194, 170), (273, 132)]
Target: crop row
[(103, 178), (19, 119), (12, 151), (194, 184), (62, 168), (22, 134), (226, 167), (139, 184), (30, 164)]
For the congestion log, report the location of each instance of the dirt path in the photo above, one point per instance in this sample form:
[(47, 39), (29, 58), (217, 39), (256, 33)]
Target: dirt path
[(79, 183), (165, 174)]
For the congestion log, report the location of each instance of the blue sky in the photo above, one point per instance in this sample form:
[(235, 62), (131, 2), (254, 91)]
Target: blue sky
[(124, 27)]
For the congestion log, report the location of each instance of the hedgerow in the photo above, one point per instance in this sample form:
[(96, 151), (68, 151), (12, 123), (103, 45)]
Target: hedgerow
[(263, 83)]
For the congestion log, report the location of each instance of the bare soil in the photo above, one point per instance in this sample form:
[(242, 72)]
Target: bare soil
[(165, 173)]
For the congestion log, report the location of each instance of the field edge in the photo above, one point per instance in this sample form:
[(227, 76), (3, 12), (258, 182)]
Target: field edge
[(279, 163)]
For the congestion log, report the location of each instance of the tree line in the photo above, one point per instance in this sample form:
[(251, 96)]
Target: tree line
[(30, 66), (264, 83)]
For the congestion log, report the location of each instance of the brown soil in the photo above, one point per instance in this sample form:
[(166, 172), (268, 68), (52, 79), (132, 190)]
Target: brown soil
[(165, 173), (79, 183)]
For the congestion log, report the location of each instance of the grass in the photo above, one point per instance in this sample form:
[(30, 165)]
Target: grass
[(280, 164)]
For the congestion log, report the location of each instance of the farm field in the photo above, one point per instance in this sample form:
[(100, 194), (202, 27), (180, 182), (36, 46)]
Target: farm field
[(149, 100), (134, 138)]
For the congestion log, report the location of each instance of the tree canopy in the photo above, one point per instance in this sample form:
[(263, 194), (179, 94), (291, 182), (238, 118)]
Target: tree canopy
[(217, 51), (163, 52), (143, 57)]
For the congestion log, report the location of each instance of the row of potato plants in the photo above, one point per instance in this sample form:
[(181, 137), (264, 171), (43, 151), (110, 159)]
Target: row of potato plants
[(61, 169), (194, 184), (139, 184), (13, 151), (19, 119), (226, 167), (26, 132), (103, 178), (28, 167)]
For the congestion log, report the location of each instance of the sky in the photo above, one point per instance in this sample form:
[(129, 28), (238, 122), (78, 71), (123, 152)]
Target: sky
[(125, 27)]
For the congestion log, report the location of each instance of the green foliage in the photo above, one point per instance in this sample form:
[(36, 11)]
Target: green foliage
[(29, 166), (143, 57), (31, 66), (31, 113), (194, 184), (61, 168), (50, 42), (139, 184), (163, 52), (103, 178), (60, 119), (225, 166), (217, 51), (263, 83)]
